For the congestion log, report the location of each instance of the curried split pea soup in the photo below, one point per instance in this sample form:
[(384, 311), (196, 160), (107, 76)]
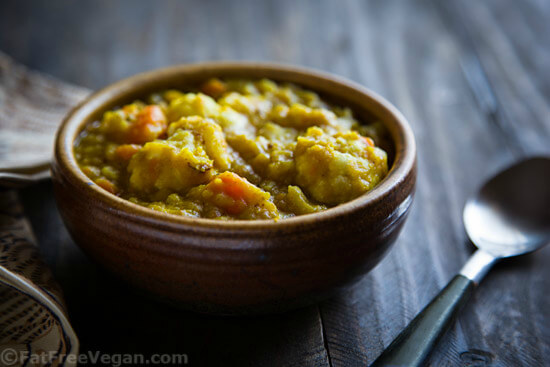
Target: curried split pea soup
[(233, 149)]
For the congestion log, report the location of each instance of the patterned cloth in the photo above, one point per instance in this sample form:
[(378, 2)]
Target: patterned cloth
[(31, 107)]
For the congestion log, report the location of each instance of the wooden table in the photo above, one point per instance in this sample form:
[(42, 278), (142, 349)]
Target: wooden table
[(472, 78)]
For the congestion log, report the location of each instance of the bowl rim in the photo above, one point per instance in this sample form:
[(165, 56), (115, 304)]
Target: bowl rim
[(404, 159)]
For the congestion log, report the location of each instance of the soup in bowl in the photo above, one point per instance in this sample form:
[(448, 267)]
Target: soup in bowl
[(233, 149), (235, 187)]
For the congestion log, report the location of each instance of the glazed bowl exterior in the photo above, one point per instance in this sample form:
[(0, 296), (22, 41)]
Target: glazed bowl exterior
[(235, 266)]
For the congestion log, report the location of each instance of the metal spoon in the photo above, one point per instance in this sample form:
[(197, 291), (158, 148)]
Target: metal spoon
[(509, 216)]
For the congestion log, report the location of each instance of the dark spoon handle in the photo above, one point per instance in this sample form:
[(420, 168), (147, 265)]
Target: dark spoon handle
[(414, 343)]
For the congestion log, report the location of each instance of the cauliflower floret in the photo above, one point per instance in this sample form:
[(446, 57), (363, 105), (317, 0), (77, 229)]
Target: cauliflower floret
[(248, 104), (172, 164), (234, 123), (300, 116), (190, 104), (194, 149), (272, 159), (337, 168), (274, 132), (209, 134)]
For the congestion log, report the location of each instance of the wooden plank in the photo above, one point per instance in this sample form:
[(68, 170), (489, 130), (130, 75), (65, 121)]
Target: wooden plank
[(506, 37), (464, 93), (422, 65)]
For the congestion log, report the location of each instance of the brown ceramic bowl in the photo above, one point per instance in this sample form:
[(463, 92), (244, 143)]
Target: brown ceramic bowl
[(236, 266)]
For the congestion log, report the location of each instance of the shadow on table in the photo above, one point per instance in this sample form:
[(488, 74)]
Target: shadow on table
[(111, 318)]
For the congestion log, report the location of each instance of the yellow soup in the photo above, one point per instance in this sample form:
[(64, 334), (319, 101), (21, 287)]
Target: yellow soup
[(233, 149)]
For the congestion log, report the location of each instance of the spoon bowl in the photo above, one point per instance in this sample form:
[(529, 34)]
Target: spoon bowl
[(510, 215)]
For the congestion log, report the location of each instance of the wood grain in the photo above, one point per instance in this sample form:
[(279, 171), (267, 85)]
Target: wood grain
[(470, 77)]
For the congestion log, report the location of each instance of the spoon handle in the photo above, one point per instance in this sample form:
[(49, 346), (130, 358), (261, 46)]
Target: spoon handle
[(414, 343)]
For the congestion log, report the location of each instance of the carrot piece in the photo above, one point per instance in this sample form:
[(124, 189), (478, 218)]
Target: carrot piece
[(239, 191), (126, 151), (107, 185), (214, 88), (234, 185), (150, 124), (368, 140)]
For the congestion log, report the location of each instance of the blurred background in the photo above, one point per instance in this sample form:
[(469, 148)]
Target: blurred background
[(470, 76), (381, 44)]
